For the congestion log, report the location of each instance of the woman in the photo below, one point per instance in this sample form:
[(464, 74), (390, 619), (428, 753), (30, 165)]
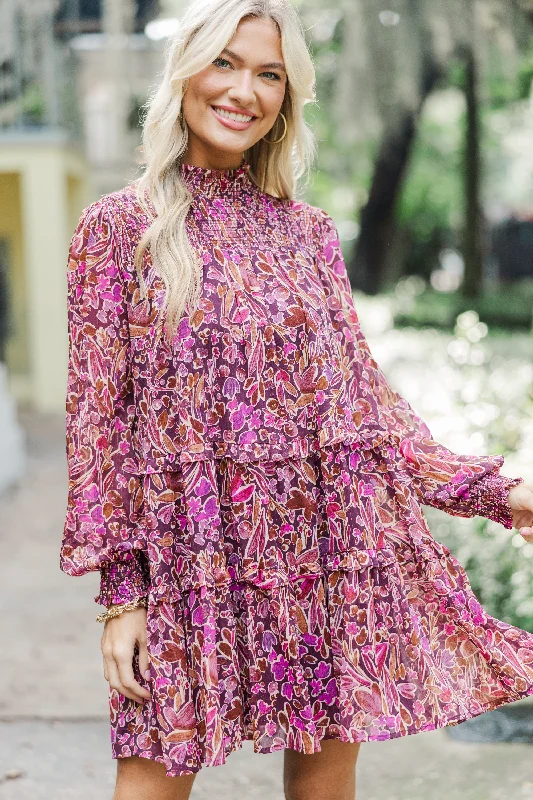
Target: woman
[(240, 471)]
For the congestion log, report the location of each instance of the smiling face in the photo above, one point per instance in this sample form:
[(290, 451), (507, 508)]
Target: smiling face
[(235, 101)]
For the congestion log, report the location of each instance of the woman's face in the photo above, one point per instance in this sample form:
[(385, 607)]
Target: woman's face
[(247, 79)]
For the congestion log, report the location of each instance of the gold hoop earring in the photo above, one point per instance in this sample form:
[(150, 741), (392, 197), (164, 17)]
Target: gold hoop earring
[(275, 141)]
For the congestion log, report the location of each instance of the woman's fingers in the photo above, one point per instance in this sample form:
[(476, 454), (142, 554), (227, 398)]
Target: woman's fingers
[(144, 661), (126, 689), (117, 674), (128, 685), (522, 520), (115, 682)]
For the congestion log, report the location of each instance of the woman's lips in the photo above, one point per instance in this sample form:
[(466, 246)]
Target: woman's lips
[(232, 123)]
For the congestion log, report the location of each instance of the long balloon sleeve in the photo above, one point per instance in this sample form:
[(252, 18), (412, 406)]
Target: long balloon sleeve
[(462, 485), (103, 525)]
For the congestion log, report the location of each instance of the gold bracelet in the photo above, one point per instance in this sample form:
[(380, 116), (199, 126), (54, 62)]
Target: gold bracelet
[(139, 602)]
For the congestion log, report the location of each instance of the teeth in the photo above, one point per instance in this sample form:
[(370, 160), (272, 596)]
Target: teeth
[(231, 115)]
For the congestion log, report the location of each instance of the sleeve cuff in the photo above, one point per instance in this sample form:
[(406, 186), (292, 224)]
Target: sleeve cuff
[(489, 496), (123, 581)]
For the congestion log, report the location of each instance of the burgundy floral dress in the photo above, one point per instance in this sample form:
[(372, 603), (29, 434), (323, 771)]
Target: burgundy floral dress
[(259, 480)]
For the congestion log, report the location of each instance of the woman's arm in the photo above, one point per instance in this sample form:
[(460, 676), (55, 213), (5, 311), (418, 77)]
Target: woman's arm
[(103, 527), (462, 485)]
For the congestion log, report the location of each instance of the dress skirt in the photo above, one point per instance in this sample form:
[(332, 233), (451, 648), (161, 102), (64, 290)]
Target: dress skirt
[(302, 599)]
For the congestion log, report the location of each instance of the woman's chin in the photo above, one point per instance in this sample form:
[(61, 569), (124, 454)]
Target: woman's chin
[(230, 144)]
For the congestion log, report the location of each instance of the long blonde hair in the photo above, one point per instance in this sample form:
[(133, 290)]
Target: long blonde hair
[(205, 29)]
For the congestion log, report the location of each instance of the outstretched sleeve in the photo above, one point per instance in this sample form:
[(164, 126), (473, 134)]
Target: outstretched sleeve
[(103, 524), (462, 485)]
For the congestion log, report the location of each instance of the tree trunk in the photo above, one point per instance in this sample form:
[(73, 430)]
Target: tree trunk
[(378, 223), (473, 233)]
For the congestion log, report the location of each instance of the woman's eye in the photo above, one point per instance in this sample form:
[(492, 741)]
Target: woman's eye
[(223, 62)]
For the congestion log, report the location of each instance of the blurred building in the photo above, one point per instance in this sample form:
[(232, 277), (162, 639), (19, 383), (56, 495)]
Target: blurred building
[(73, 76), (117, 64), (43, 183)]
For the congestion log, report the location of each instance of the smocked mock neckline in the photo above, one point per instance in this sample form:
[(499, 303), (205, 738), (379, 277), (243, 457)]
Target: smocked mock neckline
[(212, 182)]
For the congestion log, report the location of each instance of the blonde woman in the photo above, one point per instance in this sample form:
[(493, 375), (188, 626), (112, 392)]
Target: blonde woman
[(240, 471)]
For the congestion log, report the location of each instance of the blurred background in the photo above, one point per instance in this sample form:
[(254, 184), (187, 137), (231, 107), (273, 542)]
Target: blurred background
[(424, 117)]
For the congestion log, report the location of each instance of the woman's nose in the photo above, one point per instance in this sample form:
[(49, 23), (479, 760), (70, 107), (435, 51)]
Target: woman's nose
[(242, 91)]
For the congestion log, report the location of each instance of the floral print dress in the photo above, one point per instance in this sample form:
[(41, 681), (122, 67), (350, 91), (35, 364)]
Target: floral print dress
[(260, 481)]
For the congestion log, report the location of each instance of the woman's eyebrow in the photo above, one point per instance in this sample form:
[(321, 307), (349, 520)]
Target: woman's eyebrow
[(271, 65)]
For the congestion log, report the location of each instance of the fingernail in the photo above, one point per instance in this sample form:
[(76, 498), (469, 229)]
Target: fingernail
[(147, 675)]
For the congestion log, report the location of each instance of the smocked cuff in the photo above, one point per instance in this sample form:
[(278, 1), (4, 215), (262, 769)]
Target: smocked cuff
[(123, 581), (489, 496)]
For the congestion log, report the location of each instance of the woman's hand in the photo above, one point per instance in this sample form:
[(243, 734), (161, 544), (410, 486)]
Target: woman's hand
[(120, 636), (521, 502)]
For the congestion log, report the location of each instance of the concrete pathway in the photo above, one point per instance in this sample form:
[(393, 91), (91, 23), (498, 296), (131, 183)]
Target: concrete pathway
[(71, 761), (54, 736)]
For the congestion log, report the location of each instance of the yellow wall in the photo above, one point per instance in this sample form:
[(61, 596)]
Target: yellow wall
[(43, 188), (11, 232)]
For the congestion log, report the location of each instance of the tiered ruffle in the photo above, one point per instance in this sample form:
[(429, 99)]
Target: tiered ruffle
[(294, 600)]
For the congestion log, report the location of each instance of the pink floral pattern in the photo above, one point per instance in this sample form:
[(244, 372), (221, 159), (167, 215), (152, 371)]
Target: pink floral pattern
[(261, 482)]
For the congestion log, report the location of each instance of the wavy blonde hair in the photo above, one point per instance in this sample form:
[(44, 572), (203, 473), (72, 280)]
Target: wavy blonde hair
[(205, 29)]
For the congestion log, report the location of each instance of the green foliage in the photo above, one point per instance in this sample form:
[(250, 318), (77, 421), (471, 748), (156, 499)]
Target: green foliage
[(487, 379), (432, 194), (507, 307), (430, 210), (33, 105), (525, 79), (500, 89)]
